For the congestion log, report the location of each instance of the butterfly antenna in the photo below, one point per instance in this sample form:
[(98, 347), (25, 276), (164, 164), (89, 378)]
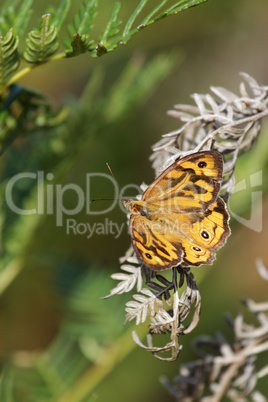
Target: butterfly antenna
[(110, 170), (106, 199), (101, 199), (109, 167)]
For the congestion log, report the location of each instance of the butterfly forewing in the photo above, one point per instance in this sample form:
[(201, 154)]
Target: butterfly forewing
[(189, 184)]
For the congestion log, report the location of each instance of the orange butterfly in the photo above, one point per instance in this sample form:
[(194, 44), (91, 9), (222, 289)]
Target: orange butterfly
[(181, 219)]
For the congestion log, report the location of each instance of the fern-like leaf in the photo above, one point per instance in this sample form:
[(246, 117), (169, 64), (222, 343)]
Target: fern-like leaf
[(176, 8), (80, 44), (161, 322), (111, 38), (154, 16), (9, 56), (15, 14), (42, 44), (79, 31), (111, 29), (144, 303), (138, 79), (22, 17), (133, 17), (59, 13), (87, 13), (127, 280)]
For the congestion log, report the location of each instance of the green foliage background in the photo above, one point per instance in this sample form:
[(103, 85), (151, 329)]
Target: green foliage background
[(58, 340)]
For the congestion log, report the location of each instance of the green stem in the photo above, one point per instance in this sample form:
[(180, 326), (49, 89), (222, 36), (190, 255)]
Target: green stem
[(110, 358), (27, 70), (8, 275)]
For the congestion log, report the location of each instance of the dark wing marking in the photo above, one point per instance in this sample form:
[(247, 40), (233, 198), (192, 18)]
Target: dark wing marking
[(189, 184), (155, 248), (206, 235)]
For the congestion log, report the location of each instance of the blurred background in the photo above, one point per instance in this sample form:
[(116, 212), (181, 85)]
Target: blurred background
[(53, 302)]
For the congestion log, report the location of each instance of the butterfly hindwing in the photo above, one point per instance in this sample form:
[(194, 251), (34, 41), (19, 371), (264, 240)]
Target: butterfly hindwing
[(155, 247), (195, 255), (207, 234)]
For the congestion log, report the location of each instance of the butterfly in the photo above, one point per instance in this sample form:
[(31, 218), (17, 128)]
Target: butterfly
[(181, 219)]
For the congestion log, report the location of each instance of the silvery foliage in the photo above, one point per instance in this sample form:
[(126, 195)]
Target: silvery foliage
[(221, 121)]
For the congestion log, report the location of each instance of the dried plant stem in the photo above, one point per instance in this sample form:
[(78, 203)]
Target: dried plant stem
[(225, 127), (236, 361)]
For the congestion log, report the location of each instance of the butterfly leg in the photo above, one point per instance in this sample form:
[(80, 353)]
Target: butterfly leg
[(149, 274), (160, 290)]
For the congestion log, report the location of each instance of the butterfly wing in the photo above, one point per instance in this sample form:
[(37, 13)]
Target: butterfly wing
[(181, 219), (191, 241), (189, 184), (155, 247), (206, 235)]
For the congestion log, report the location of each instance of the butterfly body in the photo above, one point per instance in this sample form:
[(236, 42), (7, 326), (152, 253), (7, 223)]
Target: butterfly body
[(181, 219)]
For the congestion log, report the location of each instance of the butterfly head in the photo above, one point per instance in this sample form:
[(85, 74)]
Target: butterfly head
[(135, 207)]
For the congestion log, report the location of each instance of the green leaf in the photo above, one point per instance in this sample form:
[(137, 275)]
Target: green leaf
[(42, 44), (16, 14), (23, 111), (180, 6), (153, 16), (100, 50), (83, 22), (137, 82), (154, 12), (111, 28), (111, 38), (134, 16), (109, 41), (82, 26), (7, 385), (7, 15), (80, 44), (59, 14), (9, 56), (177, 7), (23, 15)]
